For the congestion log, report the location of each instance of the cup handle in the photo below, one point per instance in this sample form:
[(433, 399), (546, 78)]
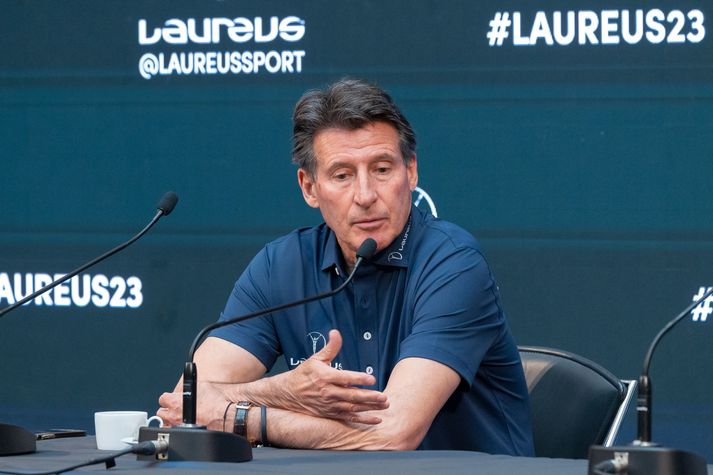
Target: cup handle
[(154, 418)]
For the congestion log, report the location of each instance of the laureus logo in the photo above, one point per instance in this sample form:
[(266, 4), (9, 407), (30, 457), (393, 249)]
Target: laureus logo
[(317, 341), (212, 30), (422, 200)]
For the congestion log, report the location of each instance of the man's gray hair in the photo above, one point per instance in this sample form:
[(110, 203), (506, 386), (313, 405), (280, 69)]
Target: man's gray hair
[(347, 104)]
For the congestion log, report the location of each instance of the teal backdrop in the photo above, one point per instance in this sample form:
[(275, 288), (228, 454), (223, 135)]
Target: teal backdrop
[(584, 170)]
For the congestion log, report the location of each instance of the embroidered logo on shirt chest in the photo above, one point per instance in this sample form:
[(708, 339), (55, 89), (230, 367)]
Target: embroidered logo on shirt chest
[(316, 342)]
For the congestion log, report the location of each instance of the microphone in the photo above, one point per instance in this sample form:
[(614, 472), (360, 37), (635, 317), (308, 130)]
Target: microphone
[(15, 440), (167, 203), (644, 456), (191, 441), (163, 208)]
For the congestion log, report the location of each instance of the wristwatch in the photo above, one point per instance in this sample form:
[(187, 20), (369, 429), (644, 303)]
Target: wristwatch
[(241, 418)]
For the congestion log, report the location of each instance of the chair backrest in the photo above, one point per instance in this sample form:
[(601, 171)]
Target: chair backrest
[(574, 402)]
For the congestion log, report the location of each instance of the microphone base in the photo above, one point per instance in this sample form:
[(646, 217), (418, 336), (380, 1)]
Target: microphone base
[(15, 440), (649, 460), (197, 444)]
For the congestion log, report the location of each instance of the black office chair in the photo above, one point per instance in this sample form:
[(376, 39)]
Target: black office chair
[(574, 402)]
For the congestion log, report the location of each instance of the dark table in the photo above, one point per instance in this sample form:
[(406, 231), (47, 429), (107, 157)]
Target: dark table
[(58, 453)]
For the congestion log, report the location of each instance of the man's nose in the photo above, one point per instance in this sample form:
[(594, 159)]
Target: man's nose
[(365, 193)]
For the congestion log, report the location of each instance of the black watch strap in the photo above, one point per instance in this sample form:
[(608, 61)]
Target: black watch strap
[(241, 418)]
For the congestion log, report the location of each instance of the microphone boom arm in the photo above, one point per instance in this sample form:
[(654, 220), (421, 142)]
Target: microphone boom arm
[(190, 372), (81, 269), (265, 311), (643, 400)]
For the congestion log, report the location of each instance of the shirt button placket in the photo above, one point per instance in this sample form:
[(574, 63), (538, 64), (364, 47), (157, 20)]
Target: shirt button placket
[(366, 302)]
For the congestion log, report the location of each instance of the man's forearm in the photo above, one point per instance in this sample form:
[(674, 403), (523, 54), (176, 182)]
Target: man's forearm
[(401, 425), (321, 391), (314, 388), (262, 392), (404, 424), (295, 430)]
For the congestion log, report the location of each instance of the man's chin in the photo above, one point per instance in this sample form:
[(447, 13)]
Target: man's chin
[(381, 241)]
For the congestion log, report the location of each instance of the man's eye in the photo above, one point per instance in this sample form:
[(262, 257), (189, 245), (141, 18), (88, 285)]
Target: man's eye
[(383, 170), (341, 176)]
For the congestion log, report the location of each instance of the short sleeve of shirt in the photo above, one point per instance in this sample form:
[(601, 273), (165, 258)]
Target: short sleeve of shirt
[(457, 316), (250, 294)]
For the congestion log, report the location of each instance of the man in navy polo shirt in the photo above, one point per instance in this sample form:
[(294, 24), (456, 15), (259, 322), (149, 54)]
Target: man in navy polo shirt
[(414, 353)]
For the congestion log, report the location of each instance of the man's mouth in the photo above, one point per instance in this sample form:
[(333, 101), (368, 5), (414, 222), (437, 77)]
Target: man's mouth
[(369, 223)]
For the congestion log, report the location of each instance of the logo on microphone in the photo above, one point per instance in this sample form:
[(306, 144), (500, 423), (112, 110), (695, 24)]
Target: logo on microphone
[(317, 341), (422, 200)]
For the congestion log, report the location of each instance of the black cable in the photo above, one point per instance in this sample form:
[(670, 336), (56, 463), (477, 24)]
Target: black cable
[(149, 447)]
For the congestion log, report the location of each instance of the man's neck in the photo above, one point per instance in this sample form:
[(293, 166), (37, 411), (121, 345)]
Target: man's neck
[(348, 263)]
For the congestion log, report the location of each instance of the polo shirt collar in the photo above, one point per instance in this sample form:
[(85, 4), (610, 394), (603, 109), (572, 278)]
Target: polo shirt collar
[(395, 255), (332, 255), (398, 252)]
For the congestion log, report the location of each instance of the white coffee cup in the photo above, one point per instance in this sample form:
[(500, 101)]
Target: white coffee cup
[(113, 428)]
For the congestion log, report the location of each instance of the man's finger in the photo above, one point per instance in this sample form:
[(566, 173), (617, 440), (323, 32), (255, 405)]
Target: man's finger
[(167, 416), (168, 399), (363, 418), (377, 406), (357, 397), (331, 349), (351, 378), (349, 412)]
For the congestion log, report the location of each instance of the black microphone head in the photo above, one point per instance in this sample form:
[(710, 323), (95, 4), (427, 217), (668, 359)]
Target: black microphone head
[(167, 202), (367, 249)]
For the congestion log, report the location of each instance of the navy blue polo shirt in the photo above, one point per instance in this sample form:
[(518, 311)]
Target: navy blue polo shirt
[(430, 294)]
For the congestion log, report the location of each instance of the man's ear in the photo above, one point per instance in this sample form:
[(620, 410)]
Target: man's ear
[(412, 171), (307, 185)]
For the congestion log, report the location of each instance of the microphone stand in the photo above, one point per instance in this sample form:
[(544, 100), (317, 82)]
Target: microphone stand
[(15, 440), (644, 457), (191, 441)]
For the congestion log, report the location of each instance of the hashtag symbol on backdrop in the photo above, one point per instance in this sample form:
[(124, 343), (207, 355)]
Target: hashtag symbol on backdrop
[(705, 308), (499, 28)]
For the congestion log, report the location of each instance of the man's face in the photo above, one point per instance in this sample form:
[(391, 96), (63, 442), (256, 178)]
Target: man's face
[(361, 185)]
